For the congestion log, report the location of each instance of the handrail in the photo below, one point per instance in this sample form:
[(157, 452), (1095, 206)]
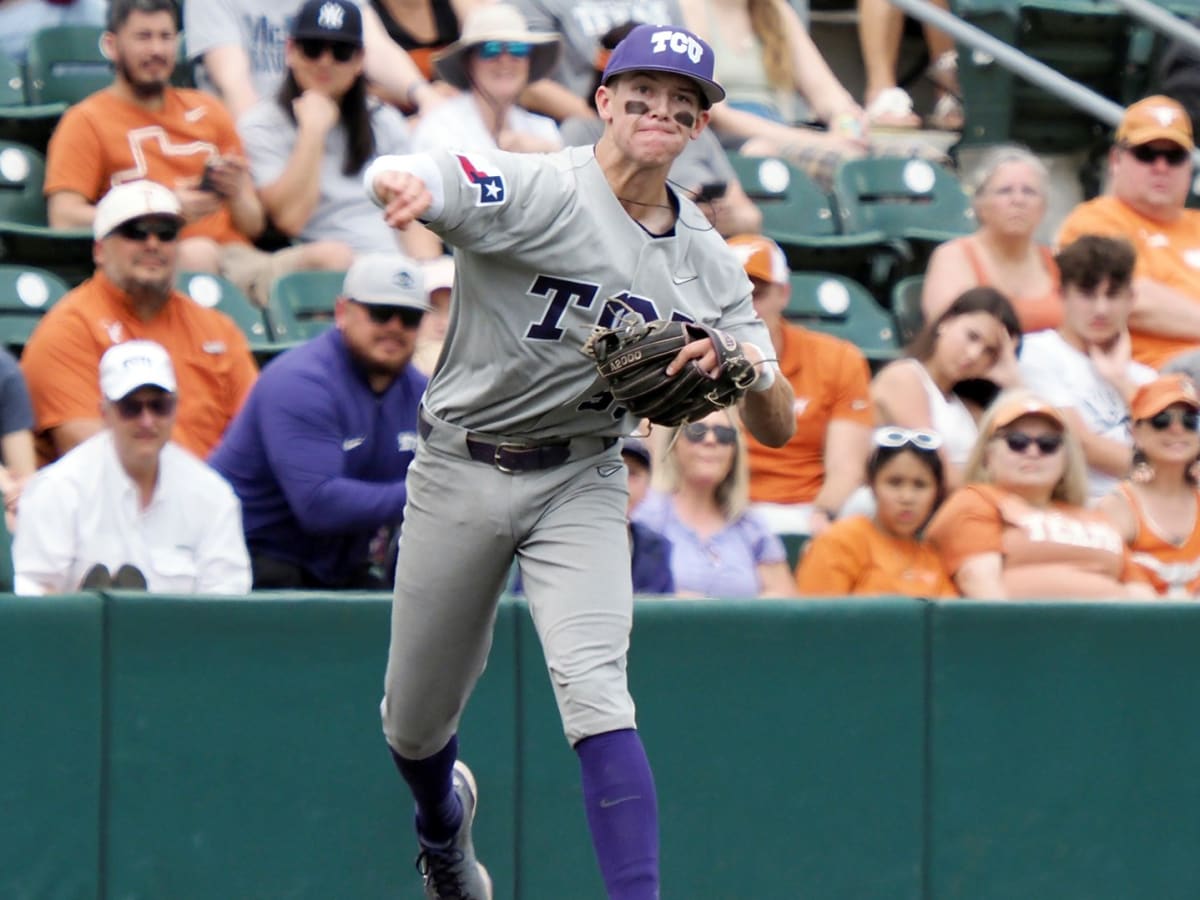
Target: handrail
[(1163, 20)]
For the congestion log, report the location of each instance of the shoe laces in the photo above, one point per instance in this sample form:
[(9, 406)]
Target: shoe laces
[(443, 869)]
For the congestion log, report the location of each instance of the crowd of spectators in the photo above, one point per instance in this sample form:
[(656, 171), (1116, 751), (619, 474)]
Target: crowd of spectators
[(1039, 436)]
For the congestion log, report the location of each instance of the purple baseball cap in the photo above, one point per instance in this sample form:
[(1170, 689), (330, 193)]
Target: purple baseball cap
[(666, 48)]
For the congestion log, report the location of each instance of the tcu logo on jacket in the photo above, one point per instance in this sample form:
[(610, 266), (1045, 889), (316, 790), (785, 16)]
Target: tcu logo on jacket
[(679, 42)]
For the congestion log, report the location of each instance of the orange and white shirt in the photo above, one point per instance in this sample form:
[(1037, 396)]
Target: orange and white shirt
[(1166, 252), (1172, 569), (1048, 552), (831, 380)]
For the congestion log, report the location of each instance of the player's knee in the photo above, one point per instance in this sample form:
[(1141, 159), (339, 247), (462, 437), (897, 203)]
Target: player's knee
[(595, 703), (411, 739)]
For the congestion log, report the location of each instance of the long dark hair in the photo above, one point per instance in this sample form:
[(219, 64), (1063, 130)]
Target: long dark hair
[(973, 300), (355, 115)]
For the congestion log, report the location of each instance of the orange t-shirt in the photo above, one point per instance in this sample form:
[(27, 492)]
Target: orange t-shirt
[(1173, 569), (1035, 313), (1167, 253), (104, 141), (853, 557), (831, 380), (1057, 551), (61, 362)]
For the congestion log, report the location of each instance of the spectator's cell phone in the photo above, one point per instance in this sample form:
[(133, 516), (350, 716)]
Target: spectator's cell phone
[(206, 180), (713, 190)]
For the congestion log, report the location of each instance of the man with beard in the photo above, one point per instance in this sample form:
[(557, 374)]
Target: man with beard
[(137, 227), (319, 454), (142, 128)]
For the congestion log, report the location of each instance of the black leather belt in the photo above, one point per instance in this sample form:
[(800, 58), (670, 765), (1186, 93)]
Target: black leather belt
[(513, 457)]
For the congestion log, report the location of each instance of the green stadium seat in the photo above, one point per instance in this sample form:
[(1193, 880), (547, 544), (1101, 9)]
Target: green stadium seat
[(22, 173), (219, 293), (7, 569), (19, 122), (301, 304), (25, 295), (794, 544), (823, 301), (65, 64), (906, 306)]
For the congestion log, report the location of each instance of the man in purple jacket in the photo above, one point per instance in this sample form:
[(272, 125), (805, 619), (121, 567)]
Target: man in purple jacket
[(318, 453)]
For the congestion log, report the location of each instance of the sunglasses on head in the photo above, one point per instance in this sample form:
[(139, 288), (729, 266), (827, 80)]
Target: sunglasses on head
[(381, 314), (131, 408), (696, 432), (515, 49), (315, 49), (1188, 418), (141, 229), (1019, 442), (1144, 153), (899, 437)]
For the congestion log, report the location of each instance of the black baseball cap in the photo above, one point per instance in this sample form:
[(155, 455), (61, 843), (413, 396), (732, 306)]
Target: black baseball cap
[(338, 21)]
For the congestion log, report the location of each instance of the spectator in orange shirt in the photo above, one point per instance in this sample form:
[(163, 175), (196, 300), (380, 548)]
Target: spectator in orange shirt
[(1157, 510), (1150, 171), (799, 488), (881, 554), (131, 296), (142, 128), (1018, 529)]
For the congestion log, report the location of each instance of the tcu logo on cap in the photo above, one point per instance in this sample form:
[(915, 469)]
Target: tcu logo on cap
[(331, 15), (679, 42)]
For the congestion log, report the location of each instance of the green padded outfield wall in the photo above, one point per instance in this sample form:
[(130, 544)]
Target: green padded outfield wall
[(50, 748)]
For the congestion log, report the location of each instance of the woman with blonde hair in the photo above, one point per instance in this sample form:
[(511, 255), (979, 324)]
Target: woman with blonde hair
[(1019, 529), (719, 548), (1009, 199)]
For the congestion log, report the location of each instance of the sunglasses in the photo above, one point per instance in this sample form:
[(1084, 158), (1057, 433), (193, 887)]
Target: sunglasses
[(515, 49), (1144, 153), (1019, 442), (381, 314), (899, 437), (1189, 419), (141, 229), (696, 432), (129, 408), (315, 49)]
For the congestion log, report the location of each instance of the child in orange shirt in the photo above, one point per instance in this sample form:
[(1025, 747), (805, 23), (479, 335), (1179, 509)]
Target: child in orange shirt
[(882, 554)]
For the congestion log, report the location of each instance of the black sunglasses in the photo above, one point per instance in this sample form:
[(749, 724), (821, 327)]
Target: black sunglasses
[(314, 49), (141, 229), (381, 314), (129, 408), (696, 432), (1188, 418), (1019, 442), (1144, 153)]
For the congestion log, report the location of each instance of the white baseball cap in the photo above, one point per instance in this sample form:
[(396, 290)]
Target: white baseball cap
[(130, 365), (133, 200), (385, 279)]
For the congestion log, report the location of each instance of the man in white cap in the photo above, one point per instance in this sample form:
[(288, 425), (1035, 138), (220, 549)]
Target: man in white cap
[(129, 500), (319, 453), (132, 296)]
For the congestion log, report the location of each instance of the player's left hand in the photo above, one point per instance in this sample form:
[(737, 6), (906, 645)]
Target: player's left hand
[(706, 357), (404, 195)]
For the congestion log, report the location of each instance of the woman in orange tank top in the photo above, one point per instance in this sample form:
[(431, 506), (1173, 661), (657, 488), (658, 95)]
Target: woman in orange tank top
[(1157, 510), (1009, 201)]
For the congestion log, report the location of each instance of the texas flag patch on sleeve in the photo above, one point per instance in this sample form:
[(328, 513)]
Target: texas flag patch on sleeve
[(490, 188)]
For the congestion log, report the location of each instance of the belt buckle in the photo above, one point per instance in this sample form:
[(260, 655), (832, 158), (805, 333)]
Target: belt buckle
[(510, 447)]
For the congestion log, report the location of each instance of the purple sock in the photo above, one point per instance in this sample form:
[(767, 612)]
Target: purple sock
[(622, 812), (431, 780)]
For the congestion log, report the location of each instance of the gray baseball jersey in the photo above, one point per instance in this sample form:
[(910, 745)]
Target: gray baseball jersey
[(545, 252)]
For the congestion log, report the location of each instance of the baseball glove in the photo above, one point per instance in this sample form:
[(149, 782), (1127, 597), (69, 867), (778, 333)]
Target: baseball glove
[(632, 358)]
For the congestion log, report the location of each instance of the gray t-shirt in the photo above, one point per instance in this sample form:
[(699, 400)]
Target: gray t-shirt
[(582, 23), (343, 213), (544, 252)]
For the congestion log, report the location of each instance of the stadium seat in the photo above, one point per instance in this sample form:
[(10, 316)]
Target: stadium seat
[(65, 64), (22, 173), (823, 301), (25, 295), (301, 304), (906, 306), (794, 544), (19, 122), (219, 293), (7, 569)]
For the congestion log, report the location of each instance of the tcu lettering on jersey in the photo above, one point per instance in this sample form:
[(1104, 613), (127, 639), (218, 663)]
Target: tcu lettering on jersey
[(491, 188), (677, 42)]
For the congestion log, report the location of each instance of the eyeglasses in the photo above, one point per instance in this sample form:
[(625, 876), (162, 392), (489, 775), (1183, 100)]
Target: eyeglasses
[(315, 49), (696, 432), (1144, 153), (899, 437), (1019, 442), (141, 229), (1189, 419), (160, 406), (515, 49), (381, 314)]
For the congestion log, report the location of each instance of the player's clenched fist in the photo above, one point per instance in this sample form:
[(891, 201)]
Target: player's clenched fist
[(404, 196)]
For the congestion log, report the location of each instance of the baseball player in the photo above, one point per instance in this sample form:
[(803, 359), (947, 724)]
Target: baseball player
[(519, 441)]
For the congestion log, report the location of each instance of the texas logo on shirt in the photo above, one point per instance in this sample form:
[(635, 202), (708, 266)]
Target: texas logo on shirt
[(491, 187)]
